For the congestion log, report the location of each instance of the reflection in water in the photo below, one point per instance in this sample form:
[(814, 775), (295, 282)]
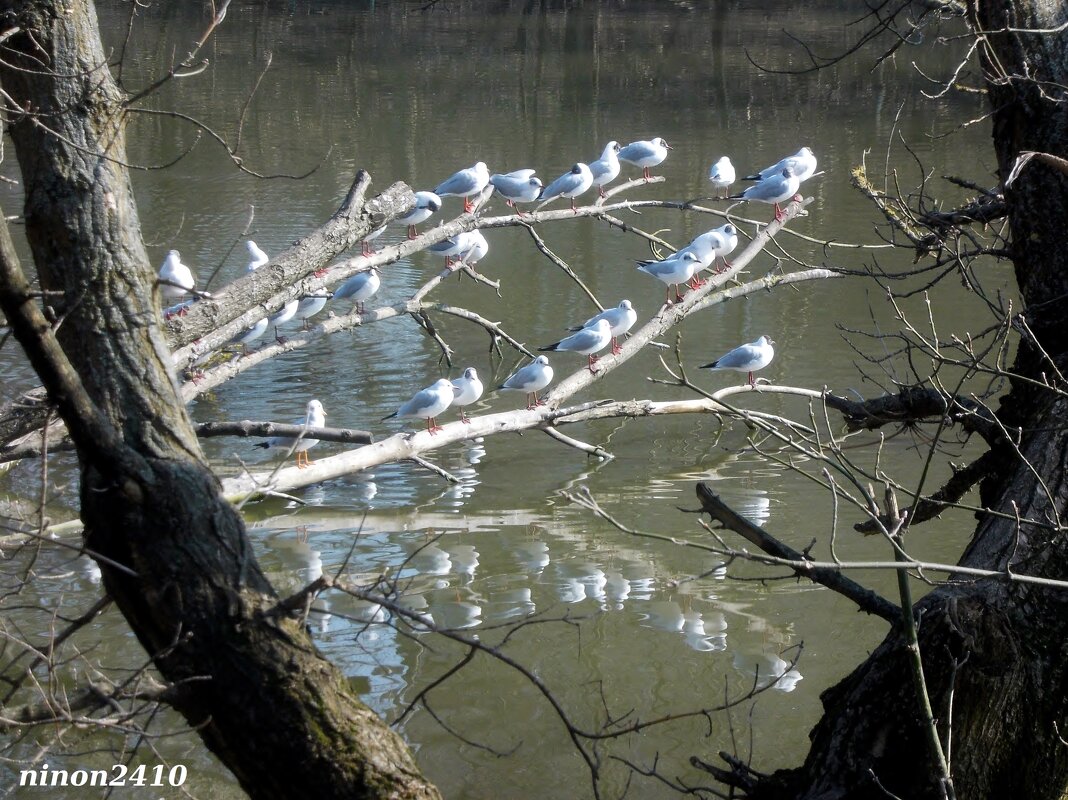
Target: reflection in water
[(475, 451), (769, 670), (457, 615), (698, 635), (533, 557), (464, 559), (364, 487), (616, 591), (431, 560)]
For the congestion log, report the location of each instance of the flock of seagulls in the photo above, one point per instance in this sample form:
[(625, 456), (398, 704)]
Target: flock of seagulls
[(773, 185)]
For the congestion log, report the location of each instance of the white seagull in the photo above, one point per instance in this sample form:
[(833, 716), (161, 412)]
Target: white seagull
[(367, 249), (519, 186), (746, 358), (426, 205), (251, 334), (257, 258), (311, 304), (359, 288), (676, 269), (621, 319), (468, 389), (469, 247), (427, 404), (176, 279), (476, 248), (722, 174), (571, 184), (314, 417), (532, 378), (772, 190), (606, 168), (465, 183), (802, 164), (717, 243), (645, 154), (587, 341), (282, 316)]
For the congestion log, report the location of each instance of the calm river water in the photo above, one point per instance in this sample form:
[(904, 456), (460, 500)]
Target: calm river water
[(414, 96)]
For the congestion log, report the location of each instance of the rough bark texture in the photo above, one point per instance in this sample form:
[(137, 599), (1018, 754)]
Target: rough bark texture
[(996, 651), (250, 680)]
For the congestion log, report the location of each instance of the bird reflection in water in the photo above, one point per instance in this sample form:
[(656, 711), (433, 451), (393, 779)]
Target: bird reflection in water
[(532, 556), (770, 670)]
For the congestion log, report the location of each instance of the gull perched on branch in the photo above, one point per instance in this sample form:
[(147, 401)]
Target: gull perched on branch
[(428, 404), (465, 183), (314, 417), (645, 154), (717, 243), (426, 205), (468, 389), (176, 279), (571, 184), (606, 168), (772, 190), (621, 318), (257, 257), (587, 341), (531, 379), (359, 288), (520, 186), (802, 164), (676, 269), (746, 358), (722, 174)]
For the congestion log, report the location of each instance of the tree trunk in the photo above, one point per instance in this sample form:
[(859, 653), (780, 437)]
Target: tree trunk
[(277, 713), (995, 654)]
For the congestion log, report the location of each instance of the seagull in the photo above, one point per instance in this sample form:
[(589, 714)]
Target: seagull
[(717, 243), (530, 379), (587, 341), (282, 316), (678, 268), (468, 389), (251, 334), (426, 205), (606, 168), (802, 163), (645, 154), (621, 318), (746, 358), (359, 288), (311, 304), (367, 248), (257, 257), (476, 248), (427, 404), (315, 417), (465, 183), (773, 190), (570, 184), (722, 174), (469, 246), (176, 279), (517, 187)]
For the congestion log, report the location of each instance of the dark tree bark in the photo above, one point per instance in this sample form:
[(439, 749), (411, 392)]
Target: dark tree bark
[(247, 675), (995, 652)]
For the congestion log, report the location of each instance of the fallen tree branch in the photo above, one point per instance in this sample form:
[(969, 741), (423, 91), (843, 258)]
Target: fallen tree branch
[(865, 599), (247, 427)]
